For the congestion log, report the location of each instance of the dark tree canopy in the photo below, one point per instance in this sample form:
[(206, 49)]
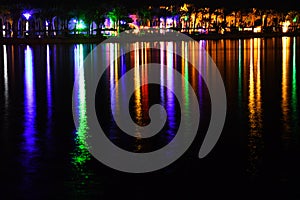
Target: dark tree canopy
[(280, 5)]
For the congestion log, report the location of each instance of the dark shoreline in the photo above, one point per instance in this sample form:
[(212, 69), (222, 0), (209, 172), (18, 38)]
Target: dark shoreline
[(97, 40)]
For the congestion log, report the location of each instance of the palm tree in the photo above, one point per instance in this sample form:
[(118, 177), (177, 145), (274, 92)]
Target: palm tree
[(48, 14), (203, 12), (6, 14), (145, 16), (210, 12), (226, 12), (16, 10), (195, 12), (293, 17), (174, 13), (217, 12), (99, 18), (117, 14)]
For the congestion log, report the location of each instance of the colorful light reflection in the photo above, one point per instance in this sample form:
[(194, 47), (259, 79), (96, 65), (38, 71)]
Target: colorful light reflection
[(285, 84), (29, 104), (294, 83), (255, 140), (81, 155)]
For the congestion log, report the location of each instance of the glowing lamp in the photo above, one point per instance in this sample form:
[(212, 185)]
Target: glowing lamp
[(27, 15), (81, 25)]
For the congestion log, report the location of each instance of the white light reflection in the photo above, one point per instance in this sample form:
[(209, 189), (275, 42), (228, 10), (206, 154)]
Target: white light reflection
[(5, 75)]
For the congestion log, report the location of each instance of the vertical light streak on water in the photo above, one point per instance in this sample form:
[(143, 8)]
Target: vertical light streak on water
[(54, 61), (285, 98), (6, 94), (4, 137), (116, 49), (195, 60), (185, 81), (294, 96), (12, 74), (202, 64), (259, 109), (80, 155), (255, 140), (162, 74), (240, 86), (29, 145), (245, 68), (108, 58), (145, 90), (137, 93), (49, 89), (123, 92), (111, 54), (170, 102)]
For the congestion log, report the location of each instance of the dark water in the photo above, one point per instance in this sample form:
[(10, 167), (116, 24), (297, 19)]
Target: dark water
[(257, 156)]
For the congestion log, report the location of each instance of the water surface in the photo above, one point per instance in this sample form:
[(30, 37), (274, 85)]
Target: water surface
[(257, 155)]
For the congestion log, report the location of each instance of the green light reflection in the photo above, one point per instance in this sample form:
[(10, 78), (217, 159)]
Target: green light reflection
[(186, 79), (294, 79), (81, 154)]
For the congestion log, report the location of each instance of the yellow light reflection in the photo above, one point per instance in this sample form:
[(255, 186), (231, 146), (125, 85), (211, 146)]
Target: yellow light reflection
[(285, 85), (255, 140), (137, 93)]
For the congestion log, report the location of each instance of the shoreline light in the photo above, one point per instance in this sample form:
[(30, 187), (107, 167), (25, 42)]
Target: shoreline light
[(27, 15)]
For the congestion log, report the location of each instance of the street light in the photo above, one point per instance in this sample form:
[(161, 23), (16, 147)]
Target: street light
[(27, 16)]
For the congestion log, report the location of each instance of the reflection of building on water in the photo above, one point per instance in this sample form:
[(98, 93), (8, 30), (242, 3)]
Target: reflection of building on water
[(255, 140)]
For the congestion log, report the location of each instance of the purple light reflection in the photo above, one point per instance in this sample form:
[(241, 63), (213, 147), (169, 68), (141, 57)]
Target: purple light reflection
[(170, 101), (29, 104), (49, 89), (29, 148)]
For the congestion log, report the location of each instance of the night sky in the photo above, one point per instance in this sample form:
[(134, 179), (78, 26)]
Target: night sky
[(278, 4)]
